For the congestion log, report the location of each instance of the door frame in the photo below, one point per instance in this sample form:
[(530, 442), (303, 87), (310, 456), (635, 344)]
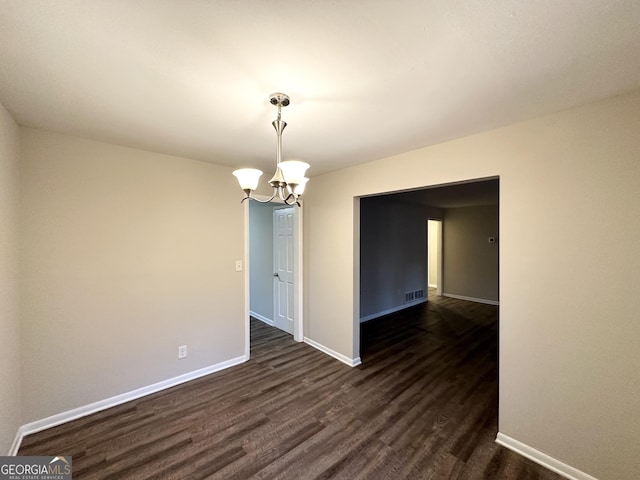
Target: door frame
[(298, 301), (439, 264)]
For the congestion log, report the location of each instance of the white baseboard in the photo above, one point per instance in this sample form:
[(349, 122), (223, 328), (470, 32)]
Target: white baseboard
[(432, 285), (392, 310), (262, 318), (543, 459), (471, 299), (352, 362), (80, 412)]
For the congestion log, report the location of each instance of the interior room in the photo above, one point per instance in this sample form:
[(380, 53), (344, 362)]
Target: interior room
[(396, 245), (128, 266)]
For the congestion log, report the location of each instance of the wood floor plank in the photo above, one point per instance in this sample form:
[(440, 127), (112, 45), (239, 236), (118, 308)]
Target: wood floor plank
[(423, 405)]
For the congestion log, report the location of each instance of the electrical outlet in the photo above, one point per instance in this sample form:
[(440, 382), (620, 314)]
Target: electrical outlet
[(182, 351), (238, 265)]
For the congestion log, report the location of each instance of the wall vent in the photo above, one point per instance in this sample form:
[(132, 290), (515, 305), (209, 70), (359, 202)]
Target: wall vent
[(414, 296)]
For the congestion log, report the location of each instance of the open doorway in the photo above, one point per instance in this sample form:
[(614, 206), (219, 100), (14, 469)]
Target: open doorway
[(273, 277), (393, 260), (434, 256)]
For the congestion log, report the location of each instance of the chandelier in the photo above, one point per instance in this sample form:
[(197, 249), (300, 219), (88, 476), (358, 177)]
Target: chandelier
[(289, 181)]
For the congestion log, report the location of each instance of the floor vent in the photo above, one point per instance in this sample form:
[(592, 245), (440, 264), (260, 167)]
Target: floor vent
[(413, 296)]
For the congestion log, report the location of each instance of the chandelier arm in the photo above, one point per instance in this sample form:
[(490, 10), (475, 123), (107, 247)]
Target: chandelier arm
[(249, 197), (288, 201), (262, 201)]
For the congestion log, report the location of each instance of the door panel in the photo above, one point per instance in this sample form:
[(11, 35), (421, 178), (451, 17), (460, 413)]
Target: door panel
[(283, 262)]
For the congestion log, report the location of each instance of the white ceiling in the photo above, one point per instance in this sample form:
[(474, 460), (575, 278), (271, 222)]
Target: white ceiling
[(366, 79)]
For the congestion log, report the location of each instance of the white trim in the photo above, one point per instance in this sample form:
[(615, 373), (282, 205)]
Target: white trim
[(543, 459), (392, 310), (95, 407), (262, 318), (298, 327), (438, 246), (440, 255), (352, 362), (246, 281), (471, 299), (15, 446), (355, 319)]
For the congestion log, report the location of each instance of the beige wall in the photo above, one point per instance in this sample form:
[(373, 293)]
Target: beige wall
[(125, 255), (10, 415), (470, 262), (569, 363)]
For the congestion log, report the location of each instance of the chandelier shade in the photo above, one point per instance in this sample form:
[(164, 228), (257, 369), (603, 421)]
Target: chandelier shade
[(248, 178), (288, 181), (293, 171), (299, 189)]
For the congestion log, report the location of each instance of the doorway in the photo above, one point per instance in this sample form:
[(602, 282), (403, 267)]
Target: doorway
[(269, 261), (434, 256), (393, 247)]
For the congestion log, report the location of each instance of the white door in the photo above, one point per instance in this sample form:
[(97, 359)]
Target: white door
[(283, 278)]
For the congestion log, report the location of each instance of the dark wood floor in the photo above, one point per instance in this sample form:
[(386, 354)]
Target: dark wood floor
[(421, 406)]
